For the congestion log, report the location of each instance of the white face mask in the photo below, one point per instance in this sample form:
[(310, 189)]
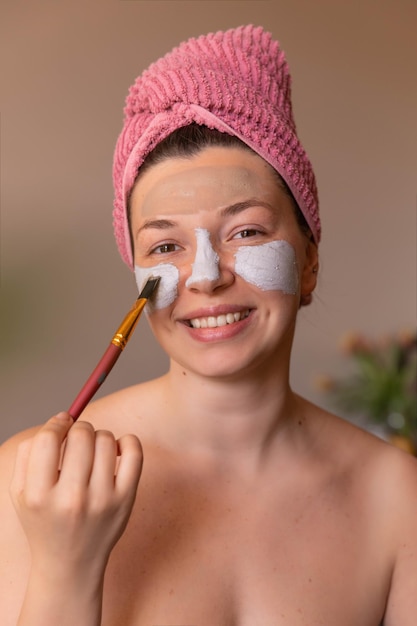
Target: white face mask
[(269, 266), (206, 262)]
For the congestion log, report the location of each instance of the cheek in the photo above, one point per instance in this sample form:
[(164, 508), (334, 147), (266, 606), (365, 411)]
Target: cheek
[(167, 289), (270, 266)]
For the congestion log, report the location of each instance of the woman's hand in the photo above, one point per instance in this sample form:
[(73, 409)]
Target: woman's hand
[(73, 489)]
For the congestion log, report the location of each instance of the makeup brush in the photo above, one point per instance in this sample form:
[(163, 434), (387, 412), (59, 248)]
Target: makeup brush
[(116, 347)]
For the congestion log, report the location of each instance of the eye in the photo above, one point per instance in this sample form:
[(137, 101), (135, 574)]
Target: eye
[(247, 232), (165, 248)]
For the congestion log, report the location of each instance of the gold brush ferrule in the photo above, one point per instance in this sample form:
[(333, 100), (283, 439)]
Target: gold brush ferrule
[(126, 328)]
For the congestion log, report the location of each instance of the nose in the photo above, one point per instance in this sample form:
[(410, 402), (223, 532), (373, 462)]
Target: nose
[(206, 273)]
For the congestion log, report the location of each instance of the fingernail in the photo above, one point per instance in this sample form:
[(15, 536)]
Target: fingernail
[(63, 415)]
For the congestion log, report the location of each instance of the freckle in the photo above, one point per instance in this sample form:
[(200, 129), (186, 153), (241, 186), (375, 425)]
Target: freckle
[(184, 373)]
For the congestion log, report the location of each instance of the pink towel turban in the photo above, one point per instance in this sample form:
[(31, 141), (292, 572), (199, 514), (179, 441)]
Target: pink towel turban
[(235, 81)]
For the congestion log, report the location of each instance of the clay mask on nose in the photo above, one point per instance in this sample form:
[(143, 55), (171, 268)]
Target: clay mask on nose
[(206, 262)]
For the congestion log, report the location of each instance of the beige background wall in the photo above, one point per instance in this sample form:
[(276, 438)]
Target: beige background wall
[(65, 69)]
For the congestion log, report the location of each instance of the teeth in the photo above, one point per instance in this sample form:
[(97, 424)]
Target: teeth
[(220, 320)]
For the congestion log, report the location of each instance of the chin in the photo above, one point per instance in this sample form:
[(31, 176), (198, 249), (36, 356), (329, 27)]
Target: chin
[(231, 352), (232, 363)]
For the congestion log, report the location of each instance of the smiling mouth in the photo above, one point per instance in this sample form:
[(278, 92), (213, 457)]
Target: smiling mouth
[(218, 320)]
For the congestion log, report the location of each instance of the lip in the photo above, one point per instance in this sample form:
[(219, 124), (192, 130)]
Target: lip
[(219, 333), (214, 311)]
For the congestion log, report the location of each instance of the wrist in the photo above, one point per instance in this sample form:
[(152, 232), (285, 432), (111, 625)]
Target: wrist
[(79, 577), (63, 597)]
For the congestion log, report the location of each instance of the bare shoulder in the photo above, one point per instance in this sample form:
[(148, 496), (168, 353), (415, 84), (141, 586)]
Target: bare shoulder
[(399, 491), (377, 482), (128, 410), (389, 484), (378, 465)]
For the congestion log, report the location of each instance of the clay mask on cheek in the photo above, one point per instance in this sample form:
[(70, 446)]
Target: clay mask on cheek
[(166, 291), (270, 266), (206, 262)]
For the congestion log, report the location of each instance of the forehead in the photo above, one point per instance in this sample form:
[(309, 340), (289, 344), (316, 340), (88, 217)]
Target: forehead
[(211, 179)]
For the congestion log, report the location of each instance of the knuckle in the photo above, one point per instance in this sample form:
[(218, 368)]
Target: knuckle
[(48, 437), (16, 493), (73, 504), (105, 433), (101, 503), (84, 424), (106, 442), (105, 436), (33, 500), (132, 442), (81, 426), (24, 445), (82, 432)]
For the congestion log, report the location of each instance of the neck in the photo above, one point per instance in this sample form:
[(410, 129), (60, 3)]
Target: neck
[(228, 418)]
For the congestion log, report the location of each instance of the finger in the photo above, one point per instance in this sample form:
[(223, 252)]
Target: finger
[(78, 456), (130, 465), (18, 481), (105, 458), (43, 463)]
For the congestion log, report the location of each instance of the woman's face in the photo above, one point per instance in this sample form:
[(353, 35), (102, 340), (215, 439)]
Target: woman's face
[(222, 234)]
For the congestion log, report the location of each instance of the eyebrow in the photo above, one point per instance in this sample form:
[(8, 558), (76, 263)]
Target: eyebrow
[(238, 207), (158, 224), (233, 209)]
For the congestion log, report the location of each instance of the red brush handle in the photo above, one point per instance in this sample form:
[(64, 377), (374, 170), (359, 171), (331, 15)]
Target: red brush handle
[(96, 379)]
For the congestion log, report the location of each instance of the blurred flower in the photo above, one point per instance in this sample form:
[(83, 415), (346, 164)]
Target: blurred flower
[(324, 383), (353, 343), (383, 385)]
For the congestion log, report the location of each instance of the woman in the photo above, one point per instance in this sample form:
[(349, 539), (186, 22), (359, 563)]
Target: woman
[(254, 506)]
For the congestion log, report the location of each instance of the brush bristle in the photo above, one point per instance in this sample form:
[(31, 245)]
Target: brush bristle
[(149, 287)]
